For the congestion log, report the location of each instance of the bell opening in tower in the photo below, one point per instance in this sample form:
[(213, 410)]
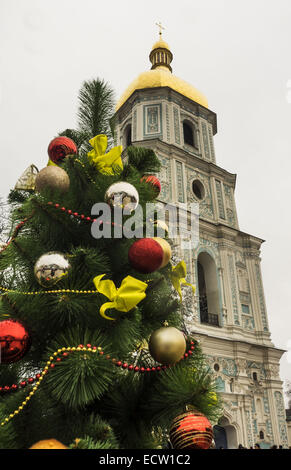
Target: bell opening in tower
[(208, 290)]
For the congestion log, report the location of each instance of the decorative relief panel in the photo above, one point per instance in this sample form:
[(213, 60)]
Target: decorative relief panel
[(228, 366), (267, 412), (205, 141), (261, 298), (167, 123), (281, 418), (249, 429), (233, 289), (248, 323), (255, 427), (211, 144), (243, 280), (165, 177), (176, 125), (180, 182), (134, 123), (205, 206), (230, 209), (152, 119), (221, 211), (220, 384)]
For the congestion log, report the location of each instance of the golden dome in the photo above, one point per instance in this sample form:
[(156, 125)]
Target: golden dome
[(161, 44), (161, 76)]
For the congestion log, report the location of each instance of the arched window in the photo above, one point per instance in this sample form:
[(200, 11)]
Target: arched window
[(208, 290), (255, 376), (188, 132), (128, 136), (262, 435)]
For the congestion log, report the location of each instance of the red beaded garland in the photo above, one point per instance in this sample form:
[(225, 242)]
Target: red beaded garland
[(124, 365)]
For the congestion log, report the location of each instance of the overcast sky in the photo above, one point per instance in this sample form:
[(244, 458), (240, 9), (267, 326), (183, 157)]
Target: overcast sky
[(238, 53)]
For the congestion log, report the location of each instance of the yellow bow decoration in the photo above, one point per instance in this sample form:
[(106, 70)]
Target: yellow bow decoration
[(129, 294), (104, 161), (51, 163), (178, 275)]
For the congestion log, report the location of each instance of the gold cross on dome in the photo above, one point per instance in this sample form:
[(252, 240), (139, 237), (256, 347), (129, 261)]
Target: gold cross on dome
[(160, 28)]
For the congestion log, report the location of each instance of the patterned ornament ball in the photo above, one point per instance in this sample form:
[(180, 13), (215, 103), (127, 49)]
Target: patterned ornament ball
[(146, 255), (54, 178), (60, 147), (48, 444), (191, 430), (123, 195), (50, 268), (167, 345), (154, 181), (14, 341)]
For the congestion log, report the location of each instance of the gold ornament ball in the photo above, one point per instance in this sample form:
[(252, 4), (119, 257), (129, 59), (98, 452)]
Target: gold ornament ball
[(50, 268), (48, 444), (54, 178), (167, 252), (167, 345)]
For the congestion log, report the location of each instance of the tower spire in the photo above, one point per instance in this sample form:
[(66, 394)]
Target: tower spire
[(160, 55), (160, 29)]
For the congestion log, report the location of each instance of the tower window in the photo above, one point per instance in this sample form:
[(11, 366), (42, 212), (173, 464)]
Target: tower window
[(208, 290), (188, 134), (255, 376), (245, 308), (198, 189), (262, 435), (128, 136)]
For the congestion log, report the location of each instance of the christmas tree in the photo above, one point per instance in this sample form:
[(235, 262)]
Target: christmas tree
[(94, 350)]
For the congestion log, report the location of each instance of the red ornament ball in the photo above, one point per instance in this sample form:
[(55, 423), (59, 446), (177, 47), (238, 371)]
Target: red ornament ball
[(154, 181), (146, 255), (60, 147), (14, 341), (191, 430)]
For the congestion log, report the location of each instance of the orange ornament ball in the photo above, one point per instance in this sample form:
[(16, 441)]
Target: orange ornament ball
[(48, 444), (191, 430)]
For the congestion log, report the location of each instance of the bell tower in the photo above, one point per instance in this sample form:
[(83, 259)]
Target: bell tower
[(228, 312)]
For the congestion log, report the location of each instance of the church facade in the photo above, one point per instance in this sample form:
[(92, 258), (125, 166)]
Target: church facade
[(227, 313)]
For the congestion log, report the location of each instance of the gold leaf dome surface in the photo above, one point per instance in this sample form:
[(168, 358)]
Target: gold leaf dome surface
[(161, 44), (161, 76)]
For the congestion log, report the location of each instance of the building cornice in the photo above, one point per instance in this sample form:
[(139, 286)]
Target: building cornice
[(191, 160), (171, 96)]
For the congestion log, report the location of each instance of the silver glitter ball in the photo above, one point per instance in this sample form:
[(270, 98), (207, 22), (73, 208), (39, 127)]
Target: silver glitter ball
[(123, 195), (50, 268)]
